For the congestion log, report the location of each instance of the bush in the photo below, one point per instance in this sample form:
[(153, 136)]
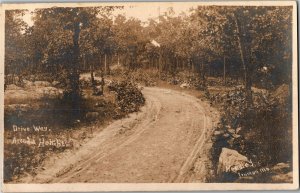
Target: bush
[(129, 98)]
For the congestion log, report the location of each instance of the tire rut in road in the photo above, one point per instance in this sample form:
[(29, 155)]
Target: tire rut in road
[(154, 108)]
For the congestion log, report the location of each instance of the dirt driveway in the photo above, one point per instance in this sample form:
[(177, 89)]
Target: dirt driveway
[(159, 144)]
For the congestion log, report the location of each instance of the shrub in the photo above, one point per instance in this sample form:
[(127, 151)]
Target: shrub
[(128, 96)]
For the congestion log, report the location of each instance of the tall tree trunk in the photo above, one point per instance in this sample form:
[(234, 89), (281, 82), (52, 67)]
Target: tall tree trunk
[(83, 68), (224, 70), (245, 61), (193, 66), (110, 60), (74, 92), (92, 75), (105, 64), (177, 63), (202, 72)]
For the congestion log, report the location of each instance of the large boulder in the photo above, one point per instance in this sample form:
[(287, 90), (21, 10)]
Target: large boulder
[(230, 161)]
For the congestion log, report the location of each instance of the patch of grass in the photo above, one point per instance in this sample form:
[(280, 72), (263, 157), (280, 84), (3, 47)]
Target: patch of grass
[(58, 115)]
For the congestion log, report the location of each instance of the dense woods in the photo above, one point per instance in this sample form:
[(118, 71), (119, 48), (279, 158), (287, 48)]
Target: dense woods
[(252, 44), (241, 48)]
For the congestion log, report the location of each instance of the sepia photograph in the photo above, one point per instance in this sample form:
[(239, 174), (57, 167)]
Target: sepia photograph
[(149, 96)]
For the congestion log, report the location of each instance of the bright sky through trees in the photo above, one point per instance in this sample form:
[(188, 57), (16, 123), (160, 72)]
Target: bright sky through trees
[(142, 12)]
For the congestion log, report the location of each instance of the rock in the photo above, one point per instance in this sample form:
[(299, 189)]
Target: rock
[(184, 85), (98, 104), (226, 135), (259, 90), (231, 131), (231, 161), (282, 93), (13, 87), (282, 178), (218, 132), (55, 83), (91, 115), (28, 84), (77, 121), (42, 83), (281, 168), (235, 136), (31, 77)]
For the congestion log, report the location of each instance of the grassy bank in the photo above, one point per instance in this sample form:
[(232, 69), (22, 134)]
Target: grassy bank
[(40, 124)]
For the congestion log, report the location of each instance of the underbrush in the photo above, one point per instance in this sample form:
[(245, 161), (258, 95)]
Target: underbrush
[(144, 77), (261, 132), (151, 77), (192, 80), (129, 97)]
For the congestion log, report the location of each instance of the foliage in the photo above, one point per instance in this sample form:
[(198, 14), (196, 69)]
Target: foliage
[(15, 47), (256, 132), (129, 98), (255, 42)]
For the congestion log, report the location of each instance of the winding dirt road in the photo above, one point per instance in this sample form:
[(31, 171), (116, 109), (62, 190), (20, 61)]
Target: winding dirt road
[(159, 144)]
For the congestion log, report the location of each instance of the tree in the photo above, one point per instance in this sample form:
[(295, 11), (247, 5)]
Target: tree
[(248, 31), (14, 42), (61, 28), (130, 38)]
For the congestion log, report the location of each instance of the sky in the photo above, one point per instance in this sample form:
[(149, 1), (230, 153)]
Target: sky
[(142, 12)]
